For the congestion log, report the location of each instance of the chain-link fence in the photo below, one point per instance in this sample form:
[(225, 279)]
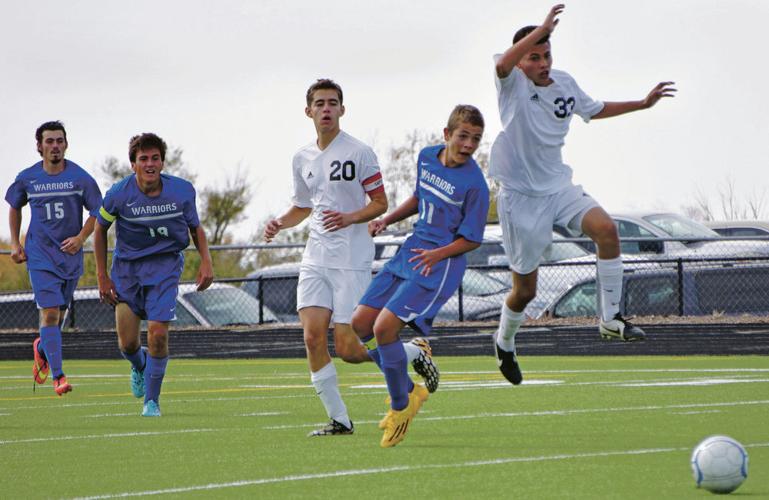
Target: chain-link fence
[(724, 276)]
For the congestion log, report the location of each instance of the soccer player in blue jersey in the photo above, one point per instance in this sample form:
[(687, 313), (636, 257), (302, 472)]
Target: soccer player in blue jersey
[(452, 200), (56, 190), (155, 215)]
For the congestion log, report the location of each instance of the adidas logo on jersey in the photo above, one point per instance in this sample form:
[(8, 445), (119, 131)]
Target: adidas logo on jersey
[(309, 176), (535, 97)]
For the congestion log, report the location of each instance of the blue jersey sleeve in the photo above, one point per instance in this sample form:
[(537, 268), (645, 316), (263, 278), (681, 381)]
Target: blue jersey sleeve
[(190, 209), (475, 209), (92, 196), (16, 196), (108, 211)]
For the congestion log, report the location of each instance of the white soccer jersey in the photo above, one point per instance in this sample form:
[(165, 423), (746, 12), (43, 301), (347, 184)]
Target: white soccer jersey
[(337, 178), (526, 155)]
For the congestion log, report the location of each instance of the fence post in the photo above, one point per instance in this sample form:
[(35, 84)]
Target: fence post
[(680, 270), (260, 296), (461, 298)]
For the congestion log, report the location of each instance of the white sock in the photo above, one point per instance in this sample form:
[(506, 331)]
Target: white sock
[(509, 322), (610, 279), (412, 351), (327, 388)]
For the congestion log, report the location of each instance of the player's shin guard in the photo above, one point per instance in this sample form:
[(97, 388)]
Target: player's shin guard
[(50, 337), (395, 368), (153, 377), (137, 359), (327, 388)]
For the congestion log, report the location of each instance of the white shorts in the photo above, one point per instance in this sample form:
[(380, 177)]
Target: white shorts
[(527, 222), (339, 290)]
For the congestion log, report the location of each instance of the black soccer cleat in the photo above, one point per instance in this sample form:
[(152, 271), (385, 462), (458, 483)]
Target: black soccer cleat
[(425, 365), (620, 328), (333, 428), (508, 365)]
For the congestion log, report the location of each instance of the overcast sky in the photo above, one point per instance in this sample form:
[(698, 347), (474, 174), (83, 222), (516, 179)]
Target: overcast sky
[(225, 81)]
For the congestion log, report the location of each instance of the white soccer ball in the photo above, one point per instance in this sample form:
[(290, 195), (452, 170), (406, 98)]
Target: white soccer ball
[(719, 464)]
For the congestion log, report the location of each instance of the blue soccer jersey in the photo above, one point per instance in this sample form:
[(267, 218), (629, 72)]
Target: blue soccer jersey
[(453, 202), (56, 204), (147, 226)]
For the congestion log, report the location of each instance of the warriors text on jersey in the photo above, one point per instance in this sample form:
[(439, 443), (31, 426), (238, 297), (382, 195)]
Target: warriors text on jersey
[(526, 155), (148, 226), (56, 204), (338, 178)]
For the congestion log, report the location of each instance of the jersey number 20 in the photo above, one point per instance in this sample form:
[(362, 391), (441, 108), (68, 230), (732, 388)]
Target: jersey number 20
[(341, 171)]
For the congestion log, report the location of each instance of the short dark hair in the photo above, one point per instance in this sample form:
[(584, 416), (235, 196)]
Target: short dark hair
[(521, 34), (324, 84), (145, 142), (465, 113), (53, 125)]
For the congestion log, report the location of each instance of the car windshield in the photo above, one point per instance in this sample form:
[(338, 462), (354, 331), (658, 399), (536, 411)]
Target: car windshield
[(227, 306), (477, 283), (680, 227)]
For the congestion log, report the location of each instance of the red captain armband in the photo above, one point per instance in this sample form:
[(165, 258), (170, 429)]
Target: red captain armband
[(374, 184)]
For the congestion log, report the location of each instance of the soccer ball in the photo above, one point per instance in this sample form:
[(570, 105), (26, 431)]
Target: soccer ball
[(719, 464)]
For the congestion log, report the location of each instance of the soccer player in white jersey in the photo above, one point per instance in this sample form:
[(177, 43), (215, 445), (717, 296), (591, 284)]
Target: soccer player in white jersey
[(536, 104), (333, 176)]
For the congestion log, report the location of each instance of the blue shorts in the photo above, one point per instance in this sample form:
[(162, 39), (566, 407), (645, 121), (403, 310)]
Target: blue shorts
[(409, 301), (149, 286), (51, 290)]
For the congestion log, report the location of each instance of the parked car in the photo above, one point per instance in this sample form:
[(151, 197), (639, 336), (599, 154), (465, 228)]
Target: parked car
[(690, 233), (219, 305), (482, 294), (703, 290), (739, 227)]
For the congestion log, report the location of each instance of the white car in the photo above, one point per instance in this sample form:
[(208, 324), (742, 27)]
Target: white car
[(739, 227), (219, 305)]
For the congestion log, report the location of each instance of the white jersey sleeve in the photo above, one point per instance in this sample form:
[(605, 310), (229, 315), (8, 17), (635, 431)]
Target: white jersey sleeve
[(301, 197)]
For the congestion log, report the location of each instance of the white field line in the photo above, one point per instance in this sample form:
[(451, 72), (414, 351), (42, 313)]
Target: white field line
[(103, 436), (103, 415), (695, 412), (262, 414), (563, 412), (396, 468)]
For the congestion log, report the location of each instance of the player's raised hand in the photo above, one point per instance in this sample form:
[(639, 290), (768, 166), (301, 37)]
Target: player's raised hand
[(376, 226), (271, 229), (551, 21), (18, 255), (72, 245), (662, 89), (334, 221)]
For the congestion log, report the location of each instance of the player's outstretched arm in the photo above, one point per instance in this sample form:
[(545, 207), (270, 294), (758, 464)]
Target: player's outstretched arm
[(107, 292), (426, 259), (513, 55), (291, 218), (377, 205), (662, 89), (18, 255), (206, 270)]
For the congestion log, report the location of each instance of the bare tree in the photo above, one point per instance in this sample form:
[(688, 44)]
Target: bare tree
[(225, 206), (732, 205)]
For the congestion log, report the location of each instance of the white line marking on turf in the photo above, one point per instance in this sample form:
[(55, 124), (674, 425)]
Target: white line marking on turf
[(705, 381), (546, 413), (694, 412), (103, 436), (134, 414), (262, 414), (396, 468)]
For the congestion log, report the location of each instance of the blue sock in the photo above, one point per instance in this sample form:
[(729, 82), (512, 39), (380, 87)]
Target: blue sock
[(138, 359), (153, 377), (373, 349), (50, 339), (395, 368)]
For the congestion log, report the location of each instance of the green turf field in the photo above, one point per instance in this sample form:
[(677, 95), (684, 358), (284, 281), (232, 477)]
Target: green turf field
[(579, 427)]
